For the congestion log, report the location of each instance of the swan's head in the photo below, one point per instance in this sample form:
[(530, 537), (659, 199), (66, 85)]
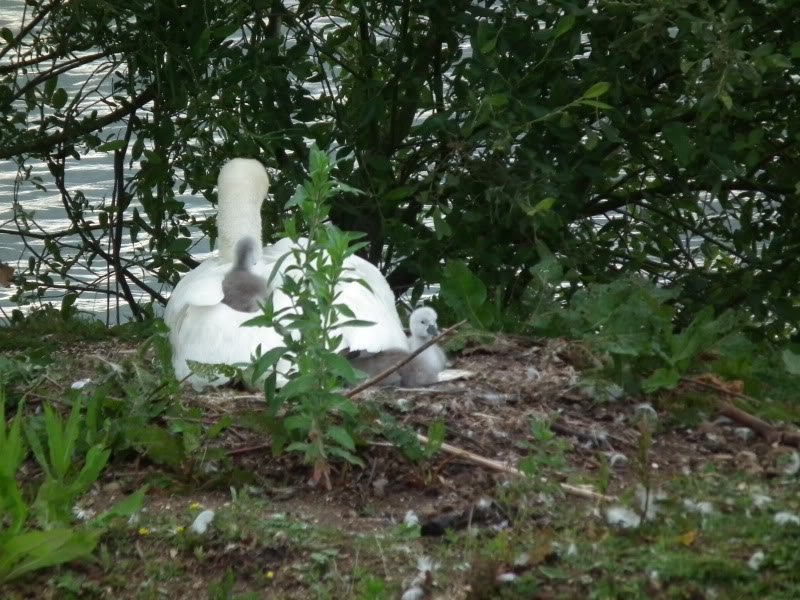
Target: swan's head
[(423, 323), (243, 180), (242, 186)]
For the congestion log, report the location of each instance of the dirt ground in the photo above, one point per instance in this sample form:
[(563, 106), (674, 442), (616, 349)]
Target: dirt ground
[(506, 385)]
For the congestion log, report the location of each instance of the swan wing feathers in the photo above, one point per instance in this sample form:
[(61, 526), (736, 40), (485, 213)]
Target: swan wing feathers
[(213, 335), (205, 330), (199, 287), (375, 304)]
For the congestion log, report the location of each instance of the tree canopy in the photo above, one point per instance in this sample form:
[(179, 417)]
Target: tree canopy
[(523, 147)]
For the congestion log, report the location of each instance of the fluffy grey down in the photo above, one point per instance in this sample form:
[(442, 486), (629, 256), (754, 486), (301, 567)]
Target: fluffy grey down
[(416, 373), (424, 369), (242, 290)]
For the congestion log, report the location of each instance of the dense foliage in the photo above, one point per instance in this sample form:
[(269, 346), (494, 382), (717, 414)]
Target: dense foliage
[(504, 138)]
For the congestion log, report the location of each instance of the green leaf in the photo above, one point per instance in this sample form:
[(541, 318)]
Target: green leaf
[(341, 437), (436, 431), (38, 450), (200, 47), (400, 193), (487, 37), (346, 455), (498, 100), (7, 35), (12, 449), (597, 90), (71, 432), (50, 88), (158, 444), (266, 361), (179, 245), (677, 134), (543, 205), (465, 293), (564, 25), (780, 61), (12, 452), (124, 508), (96, 460), (596, 104), (341, 367), (297, 423), (59, 99), (791, 362), (39, 549), (112, 145), (441, 226), (662, 379)]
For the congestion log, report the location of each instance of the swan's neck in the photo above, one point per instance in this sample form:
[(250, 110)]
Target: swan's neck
[(417, 341), (238, 217)]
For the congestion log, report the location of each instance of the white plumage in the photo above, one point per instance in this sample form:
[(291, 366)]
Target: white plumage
[(204, 329)]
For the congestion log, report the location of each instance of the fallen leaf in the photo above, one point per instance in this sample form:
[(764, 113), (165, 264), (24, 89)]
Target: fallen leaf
[(688, 538)]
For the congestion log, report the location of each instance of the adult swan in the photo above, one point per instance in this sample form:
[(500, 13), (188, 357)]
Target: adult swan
[(206, 330)]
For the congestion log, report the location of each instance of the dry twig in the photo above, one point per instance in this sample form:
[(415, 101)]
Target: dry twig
[(762, 428), (504, 468), (381, 376)]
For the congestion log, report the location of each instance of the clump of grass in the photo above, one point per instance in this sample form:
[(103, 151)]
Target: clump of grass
[(50, 327)]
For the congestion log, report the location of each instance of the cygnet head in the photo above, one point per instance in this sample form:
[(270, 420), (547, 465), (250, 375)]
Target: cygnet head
[(423, 323), (245, 254), (241, 188)]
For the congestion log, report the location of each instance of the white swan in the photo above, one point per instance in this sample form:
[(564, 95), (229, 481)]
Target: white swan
[(206, 330)]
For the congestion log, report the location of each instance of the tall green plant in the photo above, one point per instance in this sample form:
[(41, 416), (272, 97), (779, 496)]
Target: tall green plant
[(62, 484), (315, 418), (22, 549)]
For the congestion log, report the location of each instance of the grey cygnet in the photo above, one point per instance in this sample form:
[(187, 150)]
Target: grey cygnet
[(242, 290), (424, 369)]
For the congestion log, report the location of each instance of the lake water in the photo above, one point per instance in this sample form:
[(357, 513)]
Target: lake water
[(92, 175)]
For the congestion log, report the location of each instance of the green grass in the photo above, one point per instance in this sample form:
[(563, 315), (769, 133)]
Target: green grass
[(273, 536)]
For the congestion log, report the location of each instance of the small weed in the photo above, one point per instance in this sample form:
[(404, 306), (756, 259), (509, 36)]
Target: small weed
[(65, 479)]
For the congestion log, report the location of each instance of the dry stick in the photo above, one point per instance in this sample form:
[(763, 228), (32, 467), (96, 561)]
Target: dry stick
[(381, 376), (762, 428), (456, 451), (246, 449), (504, 468), (721, 390)]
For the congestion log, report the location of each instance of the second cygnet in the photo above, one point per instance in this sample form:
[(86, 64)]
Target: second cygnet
[(424, 369), (242, 290)]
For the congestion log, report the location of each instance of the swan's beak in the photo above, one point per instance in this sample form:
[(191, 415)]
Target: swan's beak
[(432, 330)]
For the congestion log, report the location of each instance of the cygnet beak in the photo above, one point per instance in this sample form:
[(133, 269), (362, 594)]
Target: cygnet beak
[(432, 330)]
